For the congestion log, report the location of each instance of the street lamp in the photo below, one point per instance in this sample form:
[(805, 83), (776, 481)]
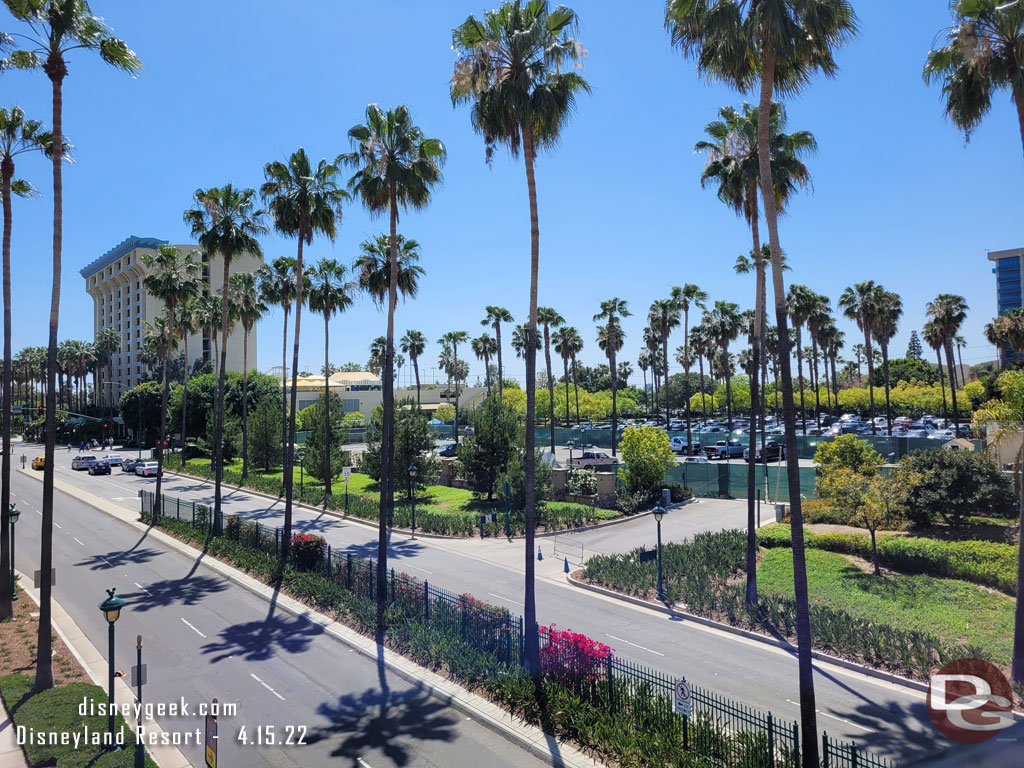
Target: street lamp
[(659, 512), (412, 494), (13, 513), (570, 444), (111, 608)]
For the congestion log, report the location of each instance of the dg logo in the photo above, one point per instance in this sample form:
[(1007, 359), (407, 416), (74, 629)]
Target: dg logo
[(970, 701)]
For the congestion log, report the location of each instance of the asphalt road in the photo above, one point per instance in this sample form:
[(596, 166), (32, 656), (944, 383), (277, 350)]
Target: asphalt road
[(890, 720), (206, 637)]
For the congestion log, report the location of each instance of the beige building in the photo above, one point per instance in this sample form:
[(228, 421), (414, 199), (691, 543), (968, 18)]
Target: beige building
[(120, 301), (361, 392)]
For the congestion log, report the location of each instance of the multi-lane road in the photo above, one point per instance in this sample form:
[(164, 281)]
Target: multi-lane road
[(206, 637), (889, 719)]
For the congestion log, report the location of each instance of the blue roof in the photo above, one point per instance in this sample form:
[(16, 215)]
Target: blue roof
[(128, 244)]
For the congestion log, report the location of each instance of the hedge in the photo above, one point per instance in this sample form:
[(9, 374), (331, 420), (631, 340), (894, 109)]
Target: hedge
[(981, 562)]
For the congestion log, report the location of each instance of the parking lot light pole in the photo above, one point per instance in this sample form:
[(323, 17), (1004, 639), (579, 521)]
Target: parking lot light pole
[(412, 495), (111, 608), (13, 513), (659, 512)]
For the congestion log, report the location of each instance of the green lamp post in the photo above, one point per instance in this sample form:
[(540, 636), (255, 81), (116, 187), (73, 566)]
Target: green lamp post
[(111, 608), (13, 514), (659, 512)]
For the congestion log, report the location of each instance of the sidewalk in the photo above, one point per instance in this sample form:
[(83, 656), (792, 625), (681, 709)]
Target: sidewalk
[(11, 755)]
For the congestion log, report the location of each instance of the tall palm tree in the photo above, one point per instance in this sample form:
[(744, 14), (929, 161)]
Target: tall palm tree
[(305, 201), (495, 317), (663, 317), (249, 308), (723, 324), (519, 334), (17, 137), (611, 339), (108, 341), (931, 333), (948, 311), (397, 166), (780, 45), (512, 67), (860, 303), (801, 302), (277, 284), (571, 344), (174, 277), (188, 324), (644, 364), (484, 347), (819, 316), (703, 346), (563, 340), (549, 318), (227, 222), (1006, 332), (983, 54), (652, 343), (208, 318), (689, 296), (413, 344), (378, 354), (52, 29), (887, 318), (452, 339)]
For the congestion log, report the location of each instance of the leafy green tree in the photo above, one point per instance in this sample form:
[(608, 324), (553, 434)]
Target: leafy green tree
[(413, 443), (515, 476), (323, 459), (496, 439), (907, 369), (264, 434), (648, 456), (847, 452), (261, 386), (146, 396), (914, 349), (231, 439), (953, 485)]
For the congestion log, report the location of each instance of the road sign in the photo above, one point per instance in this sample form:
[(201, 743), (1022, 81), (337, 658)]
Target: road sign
[(139, 676), (15, 409), (37, 578), (211, 739), (683, 700), (346, 472)]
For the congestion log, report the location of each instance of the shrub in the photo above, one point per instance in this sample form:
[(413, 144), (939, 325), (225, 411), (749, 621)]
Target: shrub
[(847, 452), (680, 493), (631, 502), (955, 485), (445, 413), (571, 657), (515, 476), (583, 482), (486, 455), (308, 551), (233, 527), (648, 456)]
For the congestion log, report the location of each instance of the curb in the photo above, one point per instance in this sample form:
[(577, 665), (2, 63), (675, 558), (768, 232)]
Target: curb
[(863, 669), (530, 738)]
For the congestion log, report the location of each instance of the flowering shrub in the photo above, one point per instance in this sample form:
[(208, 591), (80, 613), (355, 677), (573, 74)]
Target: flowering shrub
[(307, 550), (572, 657), (233, 527)]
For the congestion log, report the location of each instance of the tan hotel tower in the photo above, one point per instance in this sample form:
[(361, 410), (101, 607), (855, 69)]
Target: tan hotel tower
[(121, 301)]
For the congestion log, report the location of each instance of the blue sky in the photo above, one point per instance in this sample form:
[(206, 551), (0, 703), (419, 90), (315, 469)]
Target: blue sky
[(228, 86)]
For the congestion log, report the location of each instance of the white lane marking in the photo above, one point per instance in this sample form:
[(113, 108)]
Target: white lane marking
[(190, 626), (364, 764), (841, 720), (142, 588), (410, 565), (504, 598), (78, 540), (267, 687), (58, 525), (641, 647)]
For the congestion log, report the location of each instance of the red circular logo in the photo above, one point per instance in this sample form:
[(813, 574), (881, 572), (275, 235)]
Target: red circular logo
[(970, 701)]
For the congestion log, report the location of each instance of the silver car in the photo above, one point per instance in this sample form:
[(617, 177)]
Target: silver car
[(82, 462)]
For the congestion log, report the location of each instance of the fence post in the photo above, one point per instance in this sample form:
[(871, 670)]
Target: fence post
[(328, 561), (611, 683), (348, 571), (371, 572), (178, 512), (426, 601), (462, 616), (481, 526), (824, 750), (521, 641), (853, 756), (277, 541), (796, 746), (392, 584), (771, 740)]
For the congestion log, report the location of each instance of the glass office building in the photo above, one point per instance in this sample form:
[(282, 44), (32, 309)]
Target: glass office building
[(1009, 281)]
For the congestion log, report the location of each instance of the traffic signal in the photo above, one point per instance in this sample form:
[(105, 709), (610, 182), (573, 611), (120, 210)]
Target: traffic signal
[(104, 426), (40, 409)]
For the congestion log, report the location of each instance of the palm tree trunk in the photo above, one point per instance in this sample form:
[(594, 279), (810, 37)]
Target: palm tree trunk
[(960, 358), (800, 374), (576, 388), (664, 350), (501, 375), (284, 388), (184, 398), (814, 375), (289, 444), (218, 419), (808, 712), (6, 590), (532, 640), (885, 370), (245, 403), (686, 373), (327, 411), (942, 383), (615, 385), (751, 556), (56, 70), (952, 387), (871, 378), (164, 387), (551, 384), (565, 375), (647, 399), (728, 387), (703, 401)]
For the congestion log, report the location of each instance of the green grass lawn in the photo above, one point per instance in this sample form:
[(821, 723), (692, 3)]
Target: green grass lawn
[(953, 610)]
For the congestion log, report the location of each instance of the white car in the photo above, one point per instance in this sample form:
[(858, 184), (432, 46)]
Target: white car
[(82, 462), (147, 469), (679, 445), (114, 459), (944, 435), (695, 460)]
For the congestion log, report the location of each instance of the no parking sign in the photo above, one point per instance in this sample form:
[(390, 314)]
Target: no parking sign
[(683, 701)]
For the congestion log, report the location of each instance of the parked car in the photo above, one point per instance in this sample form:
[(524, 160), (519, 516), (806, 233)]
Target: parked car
[(128, 465), (99, 467), (679, 445), (592, 459), (82, 462), (147, 468), (772, 452), (695, 460), (39, 462), (447, 451), (943, 435), (113, 459), (724, 449)]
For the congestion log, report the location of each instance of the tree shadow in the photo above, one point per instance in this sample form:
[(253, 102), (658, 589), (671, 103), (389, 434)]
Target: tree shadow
[(188, 591), (113, 559), (891, 729), (260, 640), (318, 524), (396, 548)]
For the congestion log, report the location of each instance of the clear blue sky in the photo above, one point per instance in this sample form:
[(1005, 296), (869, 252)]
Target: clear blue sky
[(229, 86)]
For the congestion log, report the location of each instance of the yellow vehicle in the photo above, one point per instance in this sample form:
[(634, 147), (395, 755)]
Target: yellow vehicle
[(38, 462)]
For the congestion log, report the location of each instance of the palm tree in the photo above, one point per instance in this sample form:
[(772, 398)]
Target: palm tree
[(17, 136), (413, 344), (175, 278), (226, 221), (983, 54), (611, 339), (1006, 332), (549, 318), (563, 340), (819, 316), (663, 317), (801, 302), (495, 317), (484, 347), (188, 324), (305, 201), (452, 339), (703, 346), (931, 333), (779, 44), (378, 354), (277, 285), (249, 308), (52, 29), (689, 295), (644, 363), (860, 303), (723, 324), (571, 345), (397, 166), (511, 66), (948, 311), (887, 318), (519, 334), (208, 317)]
